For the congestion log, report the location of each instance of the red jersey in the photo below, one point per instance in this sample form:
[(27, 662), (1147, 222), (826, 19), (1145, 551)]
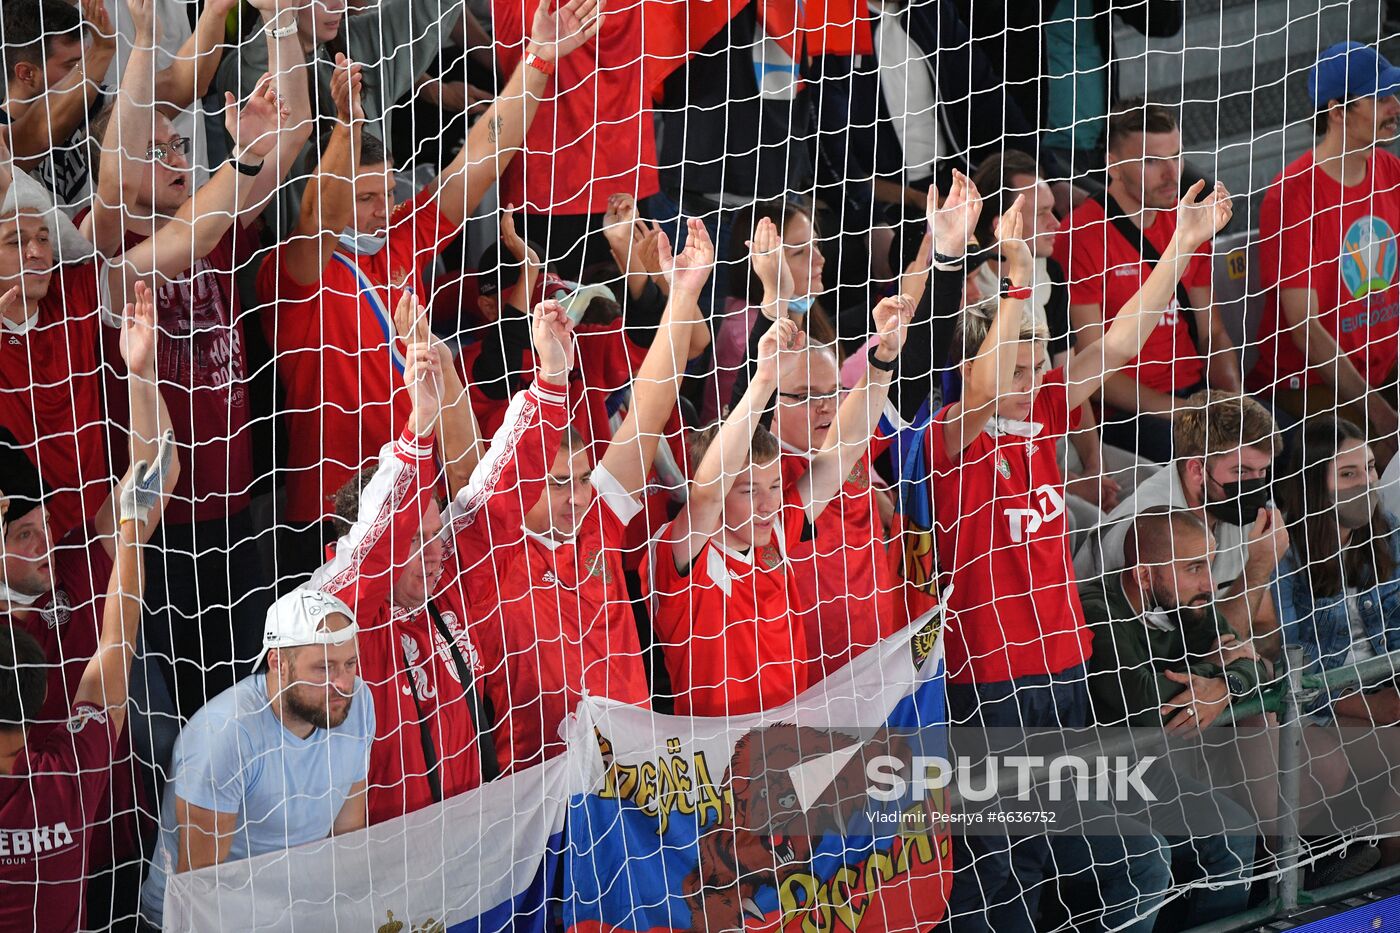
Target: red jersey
[(408, 667), (1105, 269), (732, 627), (202, 365), (843, 570), (1002, 538), (553, 618), (593, 135), (1339, 242), (338, 356), (51, 396), (47, 805)]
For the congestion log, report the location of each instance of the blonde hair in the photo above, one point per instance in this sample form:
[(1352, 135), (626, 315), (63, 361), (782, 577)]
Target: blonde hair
[(976, 322)]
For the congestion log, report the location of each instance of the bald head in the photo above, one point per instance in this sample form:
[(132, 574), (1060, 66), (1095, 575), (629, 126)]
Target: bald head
[(1167, 553)]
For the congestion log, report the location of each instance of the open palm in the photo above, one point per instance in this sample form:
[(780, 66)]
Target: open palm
[(563, 29)]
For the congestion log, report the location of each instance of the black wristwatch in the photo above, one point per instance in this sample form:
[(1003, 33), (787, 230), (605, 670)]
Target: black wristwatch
[(1236, 684)]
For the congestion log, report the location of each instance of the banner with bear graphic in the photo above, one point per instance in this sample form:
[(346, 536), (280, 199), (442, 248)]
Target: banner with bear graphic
[(762, 822)]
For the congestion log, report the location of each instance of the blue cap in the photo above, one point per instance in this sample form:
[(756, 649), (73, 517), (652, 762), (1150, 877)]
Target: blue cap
[(1349, 70)]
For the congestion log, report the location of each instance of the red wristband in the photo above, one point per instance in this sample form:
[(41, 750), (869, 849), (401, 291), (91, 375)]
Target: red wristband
[(541, 65), (1016, 292)]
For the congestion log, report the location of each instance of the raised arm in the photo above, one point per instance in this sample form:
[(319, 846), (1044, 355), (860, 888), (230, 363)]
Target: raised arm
[(204, 219), (149, 419), (993, 370), (104, 681), (383, 538), (1198, 219), (654, 388), (328, 206), (511, 475), (457, 431), (951, 222), (52, 118), (495, 138), (127, 140), (187, 78), (703, 514), (288, 66), (849, 439)]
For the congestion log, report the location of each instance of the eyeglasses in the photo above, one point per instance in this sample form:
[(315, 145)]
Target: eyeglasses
[(809, 398), (161, 152)]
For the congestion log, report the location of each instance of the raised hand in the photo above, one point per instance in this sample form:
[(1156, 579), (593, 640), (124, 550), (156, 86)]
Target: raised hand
[(346, 84), (143, 18), (553, 335), (422, 375), (1198, 219), (892, 316), (769, 264), (138, 337), (555, 33), (1014, 250), (619, 219), (513, 242), (690, 270), (783, 337), (104, 36), (145, 484), (953, 219), (254, 128)]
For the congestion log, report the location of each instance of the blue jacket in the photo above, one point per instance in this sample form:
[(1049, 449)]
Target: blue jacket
[(1319, 624)]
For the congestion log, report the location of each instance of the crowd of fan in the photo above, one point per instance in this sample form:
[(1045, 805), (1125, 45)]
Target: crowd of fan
[(732, 433)]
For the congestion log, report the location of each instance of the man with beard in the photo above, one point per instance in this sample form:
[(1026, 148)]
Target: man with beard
[(1225, 444), (1162, 651), (1108, 248), (1164, 656), (279, 759)]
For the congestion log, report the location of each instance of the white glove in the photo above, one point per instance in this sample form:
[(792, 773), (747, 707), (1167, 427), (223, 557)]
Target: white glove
[(145, 485)]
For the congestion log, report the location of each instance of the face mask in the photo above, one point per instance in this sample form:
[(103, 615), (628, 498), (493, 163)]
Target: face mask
[(1355, 505), (1240, 503), (363, 244)]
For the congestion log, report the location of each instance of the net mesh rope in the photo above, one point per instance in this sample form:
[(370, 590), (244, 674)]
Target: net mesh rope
[(280, 365)]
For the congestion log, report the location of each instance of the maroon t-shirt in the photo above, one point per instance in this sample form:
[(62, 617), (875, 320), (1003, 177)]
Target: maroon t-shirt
[(67, 623), (202, 365), (47, 805)]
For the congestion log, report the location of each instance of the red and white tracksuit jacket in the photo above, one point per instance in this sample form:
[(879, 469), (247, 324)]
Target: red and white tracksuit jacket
[(405, 662)]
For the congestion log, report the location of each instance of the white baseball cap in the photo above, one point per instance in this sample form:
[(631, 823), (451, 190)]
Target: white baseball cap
[(299, 618)]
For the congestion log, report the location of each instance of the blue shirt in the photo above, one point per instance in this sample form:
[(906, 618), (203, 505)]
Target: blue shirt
[(235, 756)]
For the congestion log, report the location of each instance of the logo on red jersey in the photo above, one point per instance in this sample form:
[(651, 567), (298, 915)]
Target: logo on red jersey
[(1048, 506), (860, 476), (770, 556), (596, 565)]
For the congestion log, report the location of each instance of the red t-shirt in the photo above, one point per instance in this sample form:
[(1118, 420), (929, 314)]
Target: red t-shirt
[(1002, 537), (47, 805), (51, 397), (405, 663), (334, 359), (732, 628), (553, 619), (1340, 242), (1105, 269), (593, 135), (843, 570), (202, 365)]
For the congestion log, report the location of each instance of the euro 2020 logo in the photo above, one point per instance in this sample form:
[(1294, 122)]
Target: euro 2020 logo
[(1368, 256)]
